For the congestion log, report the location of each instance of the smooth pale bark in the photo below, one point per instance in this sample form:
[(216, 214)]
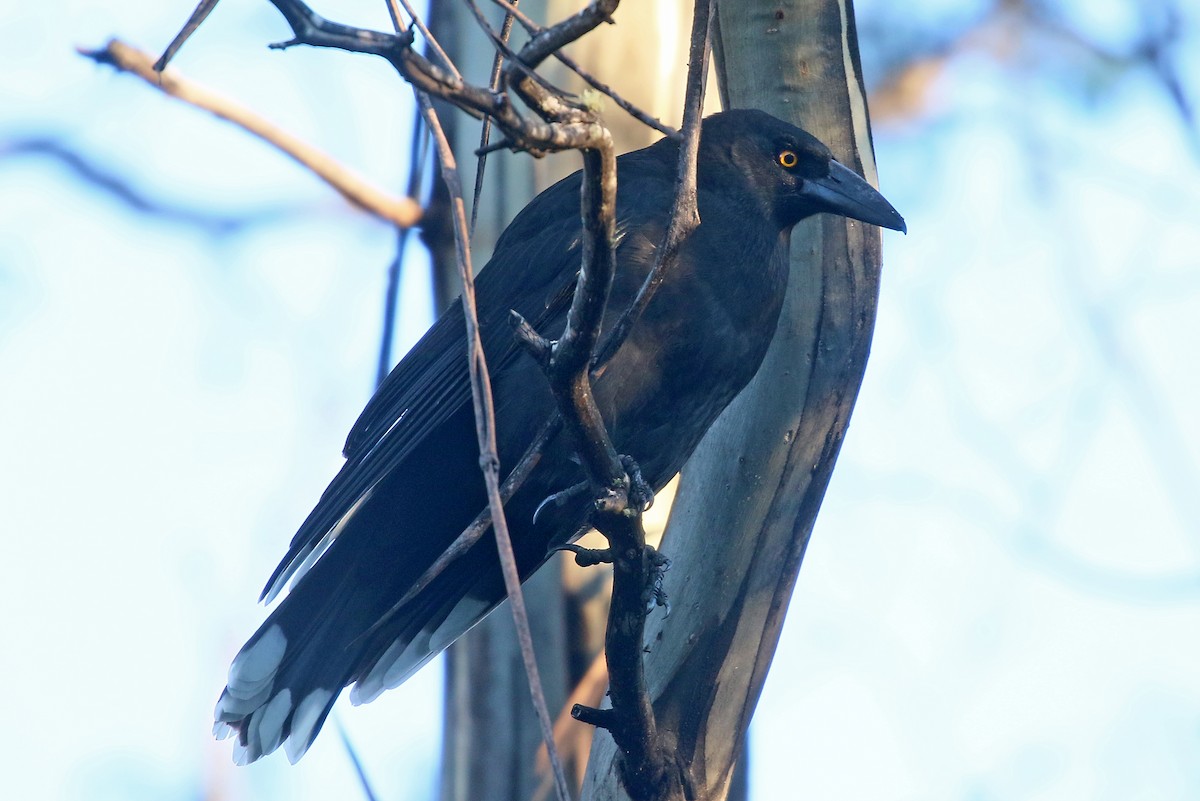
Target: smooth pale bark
[(750, 494)]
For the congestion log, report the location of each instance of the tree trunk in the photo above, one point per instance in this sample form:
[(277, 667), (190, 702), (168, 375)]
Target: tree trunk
[(750, 494)]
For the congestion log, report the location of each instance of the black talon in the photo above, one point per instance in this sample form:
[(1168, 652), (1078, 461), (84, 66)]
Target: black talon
[(560, 498)]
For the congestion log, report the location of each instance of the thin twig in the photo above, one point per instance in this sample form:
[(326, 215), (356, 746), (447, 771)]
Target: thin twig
[(646, 770), (641, 116), (500, 144), (485, 424), (562, 127), (360, 770), (203, 9), (415, 174), (685, 215), (541, 89), (486, 129), (127, 192), (446, 62), (416, 177), (398, 211), (479, 526)]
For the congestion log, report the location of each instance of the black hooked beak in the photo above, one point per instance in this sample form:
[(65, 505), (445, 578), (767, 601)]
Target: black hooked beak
[(845, 192)]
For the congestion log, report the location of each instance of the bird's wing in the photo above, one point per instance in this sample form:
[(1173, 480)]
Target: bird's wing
[(532, 271)]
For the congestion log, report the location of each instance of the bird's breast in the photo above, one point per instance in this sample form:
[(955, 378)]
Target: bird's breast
[(699, 342)]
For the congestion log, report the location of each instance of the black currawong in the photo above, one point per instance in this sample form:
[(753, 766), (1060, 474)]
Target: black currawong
[(411, 482)]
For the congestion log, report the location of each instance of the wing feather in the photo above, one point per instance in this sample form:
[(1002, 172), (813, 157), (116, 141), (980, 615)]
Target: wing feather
[(533, 271)]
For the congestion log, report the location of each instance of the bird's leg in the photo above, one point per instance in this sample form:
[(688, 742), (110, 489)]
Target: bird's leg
[(640, 494), (641, 497), (657, 566)]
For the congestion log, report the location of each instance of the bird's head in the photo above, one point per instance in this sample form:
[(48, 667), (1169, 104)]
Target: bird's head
[(787, 171)]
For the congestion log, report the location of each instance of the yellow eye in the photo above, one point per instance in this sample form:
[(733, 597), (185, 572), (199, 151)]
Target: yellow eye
[(787, 158)]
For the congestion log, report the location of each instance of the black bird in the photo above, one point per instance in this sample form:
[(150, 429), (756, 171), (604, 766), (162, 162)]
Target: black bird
[(411, 482)]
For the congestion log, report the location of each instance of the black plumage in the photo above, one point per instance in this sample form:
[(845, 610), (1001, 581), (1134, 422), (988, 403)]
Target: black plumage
[(411, 482)]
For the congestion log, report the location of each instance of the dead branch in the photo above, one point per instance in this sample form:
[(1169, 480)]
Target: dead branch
[(403, 212), (203, 9), (641, 116), (485, 427)]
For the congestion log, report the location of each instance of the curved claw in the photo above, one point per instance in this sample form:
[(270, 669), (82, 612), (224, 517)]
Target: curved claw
[(560, 499)]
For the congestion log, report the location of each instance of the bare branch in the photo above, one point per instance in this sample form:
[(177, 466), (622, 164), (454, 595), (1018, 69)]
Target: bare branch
[(567, 370), (486, 132), (418, 153), (685, 216), (402, 212), (364, 781), (546, 92), (647, 770), (571, 128), (573, 65), (203, 9), (485, 425), (430, 39), (482, 522)]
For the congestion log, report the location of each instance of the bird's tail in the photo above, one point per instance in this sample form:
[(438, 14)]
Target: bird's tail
[(338, 625), (286, 678)]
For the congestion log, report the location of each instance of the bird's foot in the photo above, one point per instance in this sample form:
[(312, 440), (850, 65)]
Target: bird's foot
[(640, 494), (586, 557), (655, 594)]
